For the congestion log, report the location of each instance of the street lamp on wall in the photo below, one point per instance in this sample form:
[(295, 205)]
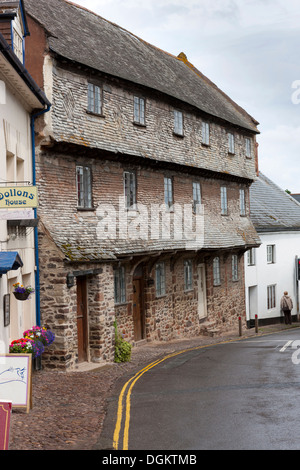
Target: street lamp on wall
[(70, 280)]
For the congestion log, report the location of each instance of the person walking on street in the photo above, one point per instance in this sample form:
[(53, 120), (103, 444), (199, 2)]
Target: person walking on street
[(286, 305)]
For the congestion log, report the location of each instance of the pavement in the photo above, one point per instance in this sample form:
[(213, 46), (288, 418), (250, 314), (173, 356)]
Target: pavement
[(69, 408)]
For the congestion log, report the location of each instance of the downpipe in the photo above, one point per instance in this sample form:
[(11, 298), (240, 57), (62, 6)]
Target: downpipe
[(36, 246)]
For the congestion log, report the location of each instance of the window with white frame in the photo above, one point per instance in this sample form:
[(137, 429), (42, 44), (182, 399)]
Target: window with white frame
[(196, 197), (178, 122), (168, 188), (242, 202), (271, 296), (248, 147), (130, 189), (84, 187), (216, 271), (18, 44), (188, 275), (230, 143), (270, 254), (235, 265), (160, 279), (119, 281), (139, 110), (205, 133), (224, 210), (251, 257), (94, 99)]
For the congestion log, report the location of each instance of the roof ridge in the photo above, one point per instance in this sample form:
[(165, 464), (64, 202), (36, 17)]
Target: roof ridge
[(184, 59), (180, 57), (167, 69), (121, 27)]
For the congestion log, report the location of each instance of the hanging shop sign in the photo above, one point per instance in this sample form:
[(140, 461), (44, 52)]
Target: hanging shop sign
[(18, 197), (22, 214)]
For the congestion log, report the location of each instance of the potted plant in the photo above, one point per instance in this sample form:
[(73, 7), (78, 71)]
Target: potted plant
[(40, 333), (41, 337), (22, 293), (26, 346)]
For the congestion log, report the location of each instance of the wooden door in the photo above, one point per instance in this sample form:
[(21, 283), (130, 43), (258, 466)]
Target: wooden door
[(82, 319), (202, 307), (137, 310)]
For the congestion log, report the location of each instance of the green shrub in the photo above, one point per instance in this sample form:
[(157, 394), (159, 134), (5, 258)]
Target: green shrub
[(122, 347)]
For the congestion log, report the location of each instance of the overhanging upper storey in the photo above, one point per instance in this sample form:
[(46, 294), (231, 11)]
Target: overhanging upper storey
[(118, 94), (86, 38)]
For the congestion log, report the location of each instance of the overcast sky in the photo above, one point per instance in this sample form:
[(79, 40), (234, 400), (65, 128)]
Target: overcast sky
[(249, 48)]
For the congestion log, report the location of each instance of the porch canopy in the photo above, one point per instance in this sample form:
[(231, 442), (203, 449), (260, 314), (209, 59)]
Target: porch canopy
[(9, 260)]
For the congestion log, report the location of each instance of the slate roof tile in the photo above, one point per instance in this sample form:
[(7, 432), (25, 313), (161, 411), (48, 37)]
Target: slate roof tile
[(271, 207), (85, 37)]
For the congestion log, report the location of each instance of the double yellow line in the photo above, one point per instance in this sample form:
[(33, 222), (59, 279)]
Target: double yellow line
[(131, 382), (125, 396)]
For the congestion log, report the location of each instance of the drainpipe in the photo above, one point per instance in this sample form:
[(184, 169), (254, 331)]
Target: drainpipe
[(36, 247)]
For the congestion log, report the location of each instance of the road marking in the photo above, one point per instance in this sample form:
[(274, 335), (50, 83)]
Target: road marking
[(285, 346), (131, 382)]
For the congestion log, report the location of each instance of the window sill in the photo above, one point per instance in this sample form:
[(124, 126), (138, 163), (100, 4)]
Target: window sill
[(231, 154), (139, 124), (121, 304), (132, 209), (86, 209), (203, 144), (161, 296), (176, 134), (92, 113)]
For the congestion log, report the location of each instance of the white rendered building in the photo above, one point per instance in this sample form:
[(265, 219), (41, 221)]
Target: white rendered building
[(271, 269), (20, 101)]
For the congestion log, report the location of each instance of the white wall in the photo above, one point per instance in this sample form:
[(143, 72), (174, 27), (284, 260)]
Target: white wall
[(15, 139), (281, 273)]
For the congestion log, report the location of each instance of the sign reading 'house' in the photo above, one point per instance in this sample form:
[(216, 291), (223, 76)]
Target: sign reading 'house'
[(18, 197)]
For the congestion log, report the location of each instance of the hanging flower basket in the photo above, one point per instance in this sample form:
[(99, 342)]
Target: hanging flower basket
[(22, 293)]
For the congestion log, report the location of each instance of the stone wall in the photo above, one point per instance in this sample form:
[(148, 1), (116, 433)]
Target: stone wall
[(59, 307), (101, 315), (175, 314)]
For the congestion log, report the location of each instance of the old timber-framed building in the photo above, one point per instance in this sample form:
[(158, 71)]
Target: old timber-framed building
[(135, 137)]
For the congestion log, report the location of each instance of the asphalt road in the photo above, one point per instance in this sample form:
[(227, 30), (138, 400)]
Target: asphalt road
[(236, 395)]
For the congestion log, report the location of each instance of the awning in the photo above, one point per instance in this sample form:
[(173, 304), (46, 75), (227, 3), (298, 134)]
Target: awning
[(9, 260)]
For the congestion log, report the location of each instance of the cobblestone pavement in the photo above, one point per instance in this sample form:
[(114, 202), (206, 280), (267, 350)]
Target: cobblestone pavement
[(69, 407)]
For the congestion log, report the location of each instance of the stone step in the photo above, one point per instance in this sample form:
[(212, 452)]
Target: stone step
[(210, 330)]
